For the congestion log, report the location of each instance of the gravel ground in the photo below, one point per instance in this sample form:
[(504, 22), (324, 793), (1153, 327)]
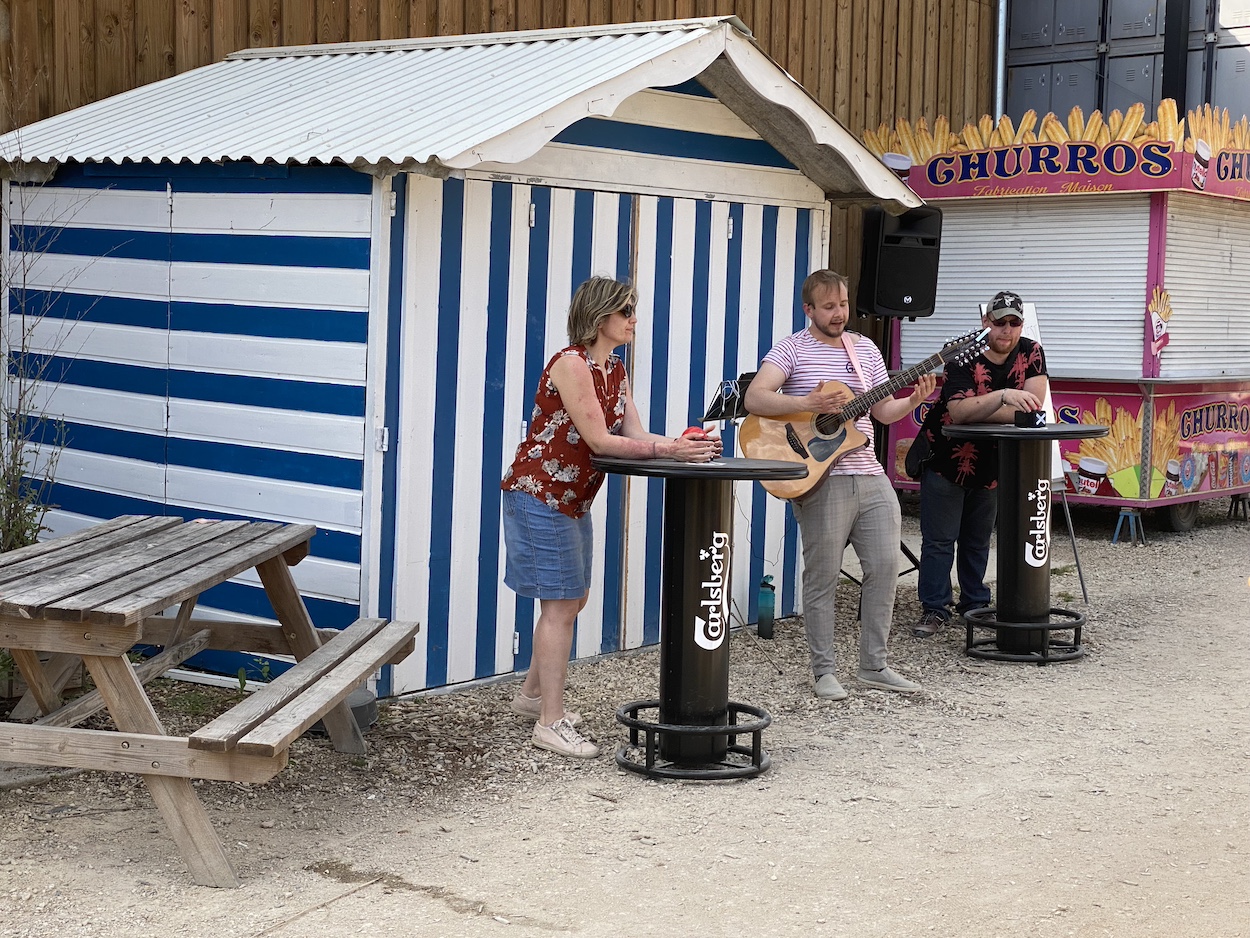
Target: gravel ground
[(1107, 796)]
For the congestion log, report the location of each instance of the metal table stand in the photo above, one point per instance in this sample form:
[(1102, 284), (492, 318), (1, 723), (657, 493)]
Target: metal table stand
[(696, 734), (1024, 619)]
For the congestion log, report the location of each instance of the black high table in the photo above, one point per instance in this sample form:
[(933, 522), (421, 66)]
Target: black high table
[(1024, 617), (694, 705)]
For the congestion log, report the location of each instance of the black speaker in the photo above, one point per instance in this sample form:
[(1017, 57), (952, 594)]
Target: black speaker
[(899, 268)]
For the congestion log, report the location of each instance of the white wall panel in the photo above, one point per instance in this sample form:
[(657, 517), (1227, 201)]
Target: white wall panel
[(295, 430), (264, 285), (334, 508), (322, 214), (334, 362)]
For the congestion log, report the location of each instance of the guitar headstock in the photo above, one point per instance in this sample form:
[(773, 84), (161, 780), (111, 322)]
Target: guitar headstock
[(963, 349)]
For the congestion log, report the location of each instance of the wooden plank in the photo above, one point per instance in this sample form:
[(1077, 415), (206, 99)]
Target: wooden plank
[(299, 23), (393, 19), (919, 31), (77, 548), (423, 18), (529, 13), (901, 106), (41, 687), (227, 635), (155, 53), (874, 58), (92, 702), (228, 28), (264, 23), (979, 94), (827, 69), (175, 798), (600, 12), (69, 637), (884, 96), (363, 20), (222, 734), (6, 76), (190, 573), (761, 24), (843, 62), (810, 30), (932, 72), (332, 21), (67, 58), (477, 15), (55, 592), (552, 13), (115, 46), (137, 753), (956, 48), (450, 18), (503, 16), (860, 81), (280, 730), (59, 668), (288, 606), (194, 34)]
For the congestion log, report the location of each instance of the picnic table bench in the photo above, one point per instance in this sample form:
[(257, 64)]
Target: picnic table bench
[(94, 594)]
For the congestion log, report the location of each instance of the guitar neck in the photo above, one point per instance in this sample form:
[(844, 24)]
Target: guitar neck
[(865, 402)]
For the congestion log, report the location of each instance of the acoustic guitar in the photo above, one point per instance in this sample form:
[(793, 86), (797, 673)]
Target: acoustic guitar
[(820, 440)]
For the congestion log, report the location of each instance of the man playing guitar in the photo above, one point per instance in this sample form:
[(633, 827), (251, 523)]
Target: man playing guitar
[(856, 503)]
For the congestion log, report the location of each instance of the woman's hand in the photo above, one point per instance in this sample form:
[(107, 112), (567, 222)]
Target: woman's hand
[(695, 445)]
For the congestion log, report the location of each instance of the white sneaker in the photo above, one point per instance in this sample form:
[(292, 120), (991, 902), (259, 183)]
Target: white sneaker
[(827, 686), (562, 738), (885, 679), (532, 707)]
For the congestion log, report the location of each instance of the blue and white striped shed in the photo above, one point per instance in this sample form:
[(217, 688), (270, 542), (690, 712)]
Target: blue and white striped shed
[(319, 283)]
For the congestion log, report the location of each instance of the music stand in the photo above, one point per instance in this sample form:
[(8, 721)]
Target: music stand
[(727, 401)]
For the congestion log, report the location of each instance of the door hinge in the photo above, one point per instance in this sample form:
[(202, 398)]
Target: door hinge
[(516, 643), (392, 199), (382, 439), (730, 233), (533, 214)]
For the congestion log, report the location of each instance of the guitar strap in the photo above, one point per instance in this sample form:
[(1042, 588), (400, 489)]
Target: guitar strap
[(850, 353)]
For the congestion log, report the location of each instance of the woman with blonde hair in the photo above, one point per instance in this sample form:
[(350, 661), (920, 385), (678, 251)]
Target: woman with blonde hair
[(582, 408)]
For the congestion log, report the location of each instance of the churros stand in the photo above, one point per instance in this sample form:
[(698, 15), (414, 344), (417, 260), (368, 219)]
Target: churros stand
[(1132, 241)]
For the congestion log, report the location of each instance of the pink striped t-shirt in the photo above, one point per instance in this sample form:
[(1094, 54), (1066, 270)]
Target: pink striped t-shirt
[(808, 362)]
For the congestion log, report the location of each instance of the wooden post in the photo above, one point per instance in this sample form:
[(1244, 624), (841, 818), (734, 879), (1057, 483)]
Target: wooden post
[(174, 797), (298, 628)]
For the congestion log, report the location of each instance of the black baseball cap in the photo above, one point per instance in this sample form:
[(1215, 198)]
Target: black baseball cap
[(1004, 304)]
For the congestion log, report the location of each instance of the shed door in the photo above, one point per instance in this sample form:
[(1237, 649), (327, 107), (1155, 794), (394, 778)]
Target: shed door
[(490, 268)]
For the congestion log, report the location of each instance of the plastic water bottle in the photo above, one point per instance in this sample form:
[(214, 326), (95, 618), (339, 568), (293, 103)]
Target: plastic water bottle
[(767, 606)]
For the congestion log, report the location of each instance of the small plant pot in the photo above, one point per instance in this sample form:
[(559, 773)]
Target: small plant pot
[(364, 704)]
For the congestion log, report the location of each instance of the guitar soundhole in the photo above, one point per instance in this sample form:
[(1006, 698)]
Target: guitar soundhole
[(795, 443)]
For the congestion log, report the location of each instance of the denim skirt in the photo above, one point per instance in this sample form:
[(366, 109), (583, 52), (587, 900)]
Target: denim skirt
[(548, 553)]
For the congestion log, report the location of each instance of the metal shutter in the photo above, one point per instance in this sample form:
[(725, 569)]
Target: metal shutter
[(1207, 271), (1082, 261)]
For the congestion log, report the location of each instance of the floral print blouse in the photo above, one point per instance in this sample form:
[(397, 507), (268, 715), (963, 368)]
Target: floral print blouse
[(552, 463)]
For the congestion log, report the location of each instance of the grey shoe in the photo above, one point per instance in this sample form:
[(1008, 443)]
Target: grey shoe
[(562, 738), (929, 623), (885, 679), (827, 686)]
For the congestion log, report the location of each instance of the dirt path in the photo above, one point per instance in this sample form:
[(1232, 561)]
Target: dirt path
[(1109, 796)]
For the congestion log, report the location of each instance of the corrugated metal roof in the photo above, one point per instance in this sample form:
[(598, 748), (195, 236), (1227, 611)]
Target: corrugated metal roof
[(449, 103)]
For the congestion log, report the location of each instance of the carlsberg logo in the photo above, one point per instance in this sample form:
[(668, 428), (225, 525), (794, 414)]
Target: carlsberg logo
[(709, 633), (1037, 530)]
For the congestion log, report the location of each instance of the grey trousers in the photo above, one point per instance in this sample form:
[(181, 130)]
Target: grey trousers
[(862, 510)]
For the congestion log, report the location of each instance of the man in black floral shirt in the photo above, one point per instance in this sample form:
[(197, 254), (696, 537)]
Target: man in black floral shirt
[(959, 486)]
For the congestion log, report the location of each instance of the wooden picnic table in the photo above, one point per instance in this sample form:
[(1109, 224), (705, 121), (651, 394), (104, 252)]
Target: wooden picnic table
[(94, 594)]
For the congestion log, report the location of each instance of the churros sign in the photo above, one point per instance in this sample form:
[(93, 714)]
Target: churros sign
[(1118, 153)]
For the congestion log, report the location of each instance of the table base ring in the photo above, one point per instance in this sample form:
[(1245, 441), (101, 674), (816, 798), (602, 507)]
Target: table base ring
[(1044, 649), (759, 762)]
